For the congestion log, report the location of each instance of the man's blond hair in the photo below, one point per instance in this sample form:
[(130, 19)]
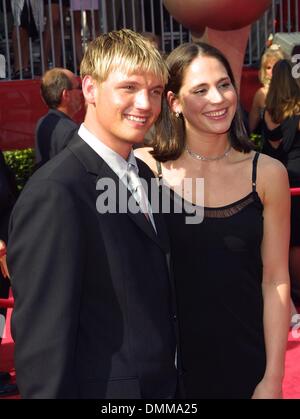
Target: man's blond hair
[(122, 50)]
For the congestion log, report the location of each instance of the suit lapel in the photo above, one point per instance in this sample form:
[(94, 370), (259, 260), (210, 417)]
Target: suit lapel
[(138, 218), (99, 169), (162, 233)]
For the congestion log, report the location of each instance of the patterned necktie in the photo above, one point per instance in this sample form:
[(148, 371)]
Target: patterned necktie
[(136, 188)]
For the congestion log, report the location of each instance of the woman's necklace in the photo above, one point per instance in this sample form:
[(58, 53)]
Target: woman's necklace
[(204, 158)]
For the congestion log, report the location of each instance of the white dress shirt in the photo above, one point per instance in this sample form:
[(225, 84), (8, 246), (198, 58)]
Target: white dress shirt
[(126, 170)]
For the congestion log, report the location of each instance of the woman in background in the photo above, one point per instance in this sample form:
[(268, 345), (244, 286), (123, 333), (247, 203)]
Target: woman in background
[(268, 60), (55, 12), (91, 9), (281, 132), (27, 15)]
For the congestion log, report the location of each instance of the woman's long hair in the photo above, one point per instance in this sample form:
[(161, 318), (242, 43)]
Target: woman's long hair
[(169, 141), (283, 98)]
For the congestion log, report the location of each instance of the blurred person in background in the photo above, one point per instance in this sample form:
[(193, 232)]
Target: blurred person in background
[(8, 195), (92, 15), (268, 60), (27, 16), (61, 91), (53, 29), (281, 140)]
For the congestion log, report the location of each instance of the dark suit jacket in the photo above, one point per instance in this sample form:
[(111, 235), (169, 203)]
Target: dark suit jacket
[(94, 307), (53, 132)]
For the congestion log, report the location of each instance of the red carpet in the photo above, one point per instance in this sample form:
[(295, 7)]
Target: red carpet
[(7, 353), (291, 385)]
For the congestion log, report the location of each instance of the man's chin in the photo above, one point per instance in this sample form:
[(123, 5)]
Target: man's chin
[(136, 141)]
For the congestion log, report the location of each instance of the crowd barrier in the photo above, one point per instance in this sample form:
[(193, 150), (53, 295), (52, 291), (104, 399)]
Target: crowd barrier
[(57, 35)]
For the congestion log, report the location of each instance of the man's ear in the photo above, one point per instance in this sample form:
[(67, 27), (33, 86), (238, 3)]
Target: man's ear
[(65, 96), (173, 102), (89, 87)]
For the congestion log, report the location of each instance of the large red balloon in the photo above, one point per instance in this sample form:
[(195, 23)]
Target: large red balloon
[(216, 14)]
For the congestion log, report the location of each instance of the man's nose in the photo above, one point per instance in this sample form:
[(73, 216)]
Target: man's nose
[(142, 100)]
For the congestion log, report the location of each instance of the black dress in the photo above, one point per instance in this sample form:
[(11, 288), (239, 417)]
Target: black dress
[(288, 153), (218, 277)]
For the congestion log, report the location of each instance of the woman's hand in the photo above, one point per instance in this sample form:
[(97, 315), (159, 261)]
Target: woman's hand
[(268, 388), (3, 264)]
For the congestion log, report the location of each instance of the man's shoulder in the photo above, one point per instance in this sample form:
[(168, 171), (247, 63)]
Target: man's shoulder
[(64, 124), (58, 182), (49, 116), (64, 168), (68, 122), (55, 116), (46, 124)]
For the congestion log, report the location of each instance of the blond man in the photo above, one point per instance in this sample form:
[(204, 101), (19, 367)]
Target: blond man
[(94, 312)]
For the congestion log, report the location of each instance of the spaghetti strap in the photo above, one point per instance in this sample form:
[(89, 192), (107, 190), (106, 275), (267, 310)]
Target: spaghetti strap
[(254, 171), (159, 169)]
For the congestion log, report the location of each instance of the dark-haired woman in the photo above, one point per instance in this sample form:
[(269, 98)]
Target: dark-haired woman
[(232, 283), (281, 133)]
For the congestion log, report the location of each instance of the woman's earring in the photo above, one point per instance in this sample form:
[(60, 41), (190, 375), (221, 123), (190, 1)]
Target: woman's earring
[(177, 114)]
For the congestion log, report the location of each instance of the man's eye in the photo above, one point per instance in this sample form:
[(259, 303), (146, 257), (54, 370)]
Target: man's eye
[(225, 85), (200, 91), (129, 87), (157, 92)]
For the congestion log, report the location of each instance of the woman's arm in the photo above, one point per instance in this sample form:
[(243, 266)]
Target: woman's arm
[(3, 265), (143, 154), (275, 286)]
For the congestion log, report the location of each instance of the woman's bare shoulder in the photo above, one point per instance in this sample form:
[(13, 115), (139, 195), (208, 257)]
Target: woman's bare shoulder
[(260, 97), (271, 174), (269, 165), (145, 155)]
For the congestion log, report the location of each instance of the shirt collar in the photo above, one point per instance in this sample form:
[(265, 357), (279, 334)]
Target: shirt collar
[(116, 162)]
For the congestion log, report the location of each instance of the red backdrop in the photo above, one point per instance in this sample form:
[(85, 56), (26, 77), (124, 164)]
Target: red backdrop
[(20, 108)]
